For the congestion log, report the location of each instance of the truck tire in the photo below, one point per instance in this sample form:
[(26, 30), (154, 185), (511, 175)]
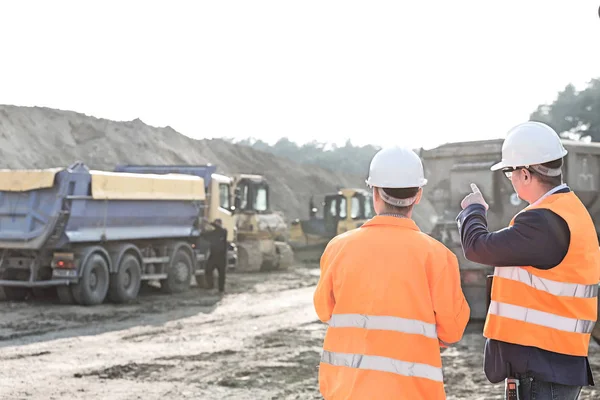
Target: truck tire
[(179, 274), (64, 295), (125, 284), (93, 285)]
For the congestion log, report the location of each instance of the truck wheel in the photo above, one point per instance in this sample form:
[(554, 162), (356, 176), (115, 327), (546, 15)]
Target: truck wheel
[(92, 287), (64, 294), (179, 274), (125, 284)]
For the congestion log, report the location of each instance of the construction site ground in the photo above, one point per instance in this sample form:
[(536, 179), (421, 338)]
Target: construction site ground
[(260, 341)]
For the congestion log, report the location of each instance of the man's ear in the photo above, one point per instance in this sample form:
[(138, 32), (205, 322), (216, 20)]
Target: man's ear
[(419, 195), (526, 176), (375, 194)]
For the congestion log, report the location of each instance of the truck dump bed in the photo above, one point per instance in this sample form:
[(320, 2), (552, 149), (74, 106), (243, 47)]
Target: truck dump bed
[(53, 207)]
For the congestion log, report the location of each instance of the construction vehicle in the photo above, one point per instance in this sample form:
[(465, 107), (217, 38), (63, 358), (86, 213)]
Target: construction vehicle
[(260, 233), (451, 168), (218, 190), (94, 235), (345, 210)]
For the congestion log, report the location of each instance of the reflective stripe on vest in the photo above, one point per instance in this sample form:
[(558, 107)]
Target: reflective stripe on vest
[(547, 285), (383, 364), (383, 323), (378, 363), (541, 318)]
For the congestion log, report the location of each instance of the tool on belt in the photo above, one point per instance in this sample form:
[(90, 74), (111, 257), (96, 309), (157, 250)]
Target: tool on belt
[(511, 385)]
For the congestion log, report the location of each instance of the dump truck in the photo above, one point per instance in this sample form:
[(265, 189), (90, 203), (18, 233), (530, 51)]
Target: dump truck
[(95, 234), (258, 235), (451, 168), (218, 189), (347, 209)]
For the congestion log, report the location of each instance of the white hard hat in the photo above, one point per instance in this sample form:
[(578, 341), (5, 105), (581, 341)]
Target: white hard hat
[(530, 143), (396, 167)]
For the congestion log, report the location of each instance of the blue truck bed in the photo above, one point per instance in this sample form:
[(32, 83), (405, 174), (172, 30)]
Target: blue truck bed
[(66, 212)]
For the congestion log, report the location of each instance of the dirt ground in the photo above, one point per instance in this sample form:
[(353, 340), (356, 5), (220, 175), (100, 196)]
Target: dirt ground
[(261, 341)]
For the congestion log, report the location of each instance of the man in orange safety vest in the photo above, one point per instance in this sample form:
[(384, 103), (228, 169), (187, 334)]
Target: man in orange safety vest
[(390, 294)]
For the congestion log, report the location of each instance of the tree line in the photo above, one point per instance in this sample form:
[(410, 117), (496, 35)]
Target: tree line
[(574, 114)]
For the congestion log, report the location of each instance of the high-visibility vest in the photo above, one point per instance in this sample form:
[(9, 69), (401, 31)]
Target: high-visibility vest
[(382, 340), (553, 309)]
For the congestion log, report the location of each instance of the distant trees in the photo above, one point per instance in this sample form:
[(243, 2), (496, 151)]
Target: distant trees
[(574, 113)]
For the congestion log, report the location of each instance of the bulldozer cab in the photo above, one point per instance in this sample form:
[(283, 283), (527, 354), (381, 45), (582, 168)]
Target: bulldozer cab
[(334, 209), (252, 195), (346, 210)]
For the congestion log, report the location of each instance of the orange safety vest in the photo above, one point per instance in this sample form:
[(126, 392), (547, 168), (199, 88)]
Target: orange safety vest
[(553, 309), (389, 294)]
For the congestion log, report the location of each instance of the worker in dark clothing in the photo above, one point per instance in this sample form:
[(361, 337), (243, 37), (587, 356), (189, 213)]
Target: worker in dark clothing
[(218, 255), (543, 303)]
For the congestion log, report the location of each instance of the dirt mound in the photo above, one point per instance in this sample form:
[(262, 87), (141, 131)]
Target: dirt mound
[(36, 137)]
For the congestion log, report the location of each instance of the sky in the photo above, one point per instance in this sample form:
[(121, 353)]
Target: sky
[(375, 72)]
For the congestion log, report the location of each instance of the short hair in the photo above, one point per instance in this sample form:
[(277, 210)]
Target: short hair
[(400, 193), (550, 181)]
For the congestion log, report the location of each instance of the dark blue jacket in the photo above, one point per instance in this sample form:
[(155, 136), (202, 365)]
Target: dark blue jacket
[(539, 238)]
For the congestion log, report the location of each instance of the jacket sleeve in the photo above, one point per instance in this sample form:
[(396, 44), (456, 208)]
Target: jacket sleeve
[(323, 299), (452, 312), (539, 238)]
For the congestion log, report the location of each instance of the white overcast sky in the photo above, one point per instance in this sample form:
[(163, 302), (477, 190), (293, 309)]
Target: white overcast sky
[(424, 72)]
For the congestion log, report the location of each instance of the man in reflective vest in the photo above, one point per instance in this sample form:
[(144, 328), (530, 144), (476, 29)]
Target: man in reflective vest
[(545, 285), (390, 294)]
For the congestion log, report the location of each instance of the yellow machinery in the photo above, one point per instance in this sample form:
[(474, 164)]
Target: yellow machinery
[(342, 211), (261, 232)]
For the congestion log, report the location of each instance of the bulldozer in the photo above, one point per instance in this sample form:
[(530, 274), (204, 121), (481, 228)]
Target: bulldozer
[(452, 167), (342, 211), (261, 232), (347, 209)]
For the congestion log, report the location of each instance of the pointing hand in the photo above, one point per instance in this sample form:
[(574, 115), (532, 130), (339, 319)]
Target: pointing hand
[(474, 198)]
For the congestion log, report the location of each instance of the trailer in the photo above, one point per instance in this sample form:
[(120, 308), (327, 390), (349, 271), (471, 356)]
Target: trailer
[(94, 234)]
